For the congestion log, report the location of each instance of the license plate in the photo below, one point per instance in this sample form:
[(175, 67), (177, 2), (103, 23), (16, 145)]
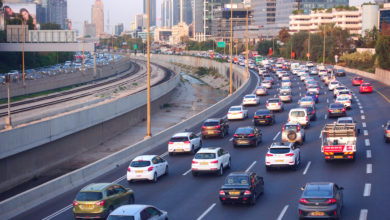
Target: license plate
[(235, 113), (233, 197), (204, 163), (279, 160), (317, 213), (262, 121), (234, 193), (336, 110), (179, 150), (211, 132), (139, 171), (87, 206), (243, 142), (338, 157)]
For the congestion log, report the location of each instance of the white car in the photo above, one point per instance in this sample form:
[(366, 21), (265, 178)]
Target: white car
[(338, 89), (250, 99), (304, 76), (282, 154), (147, 167), (306, 101), (285, 77), (345, 101), (285, 89), (313, 88), (322, 72), (267, 84), (286, 83), (237, 112), (333, 84), (137, 212), (261, 90), (313, 72), (300, 116), (345, 93), (274, 104), (184, 142), (210, 160)]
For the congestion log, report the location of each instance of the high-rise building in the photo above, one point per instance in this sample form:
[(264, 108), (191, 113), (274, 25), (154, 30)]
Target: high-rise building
[(152, 11), (118, 29), (369, 17), (89, 30), (166, 15), (384, 19), (57, 12), (98, 17), (140, 22)]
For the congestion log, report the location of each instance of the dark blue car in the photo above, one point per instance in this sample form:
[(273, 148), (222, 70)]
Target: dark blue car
[(314, 95)]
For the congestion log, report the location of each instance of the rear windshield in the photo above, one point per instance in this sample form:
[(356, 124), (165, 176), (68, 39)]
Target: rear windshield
[(290, 127), (344, 121), (285, 93), (211, 123), (179, 139), (334, 83), (344, 92), (120, 217), (235, 109), (205, 156), (237, 180), (244, 130), (273, 100), (250, 96), (89, 196), (140, 163), (279, 150), (336, 106), (297, 114), (262, 112), (317, 193)]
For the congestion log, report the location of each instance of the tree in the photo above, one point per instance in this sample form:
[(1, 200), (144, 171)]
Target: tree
[(283, 35), (50, 26), (382, 50)]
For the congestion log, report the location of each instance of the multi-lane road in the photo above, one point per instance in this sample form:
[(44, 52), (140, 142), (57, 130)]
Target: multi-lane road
[(366, 180)]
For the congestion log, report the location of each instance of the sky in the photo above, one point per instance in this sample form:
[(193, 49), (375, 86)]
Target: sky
[(121, 11)]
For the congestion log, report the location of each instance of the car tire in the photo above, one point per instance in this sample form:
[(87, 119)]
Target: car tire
[(204, 137), (268, 168), (229, 165), (111, 209), (154, 178), (166, 170), (170, 153), (222, 134), (200, 144), (253, 199), (194, 173), (193, 150), (220, 171), (131, 199)]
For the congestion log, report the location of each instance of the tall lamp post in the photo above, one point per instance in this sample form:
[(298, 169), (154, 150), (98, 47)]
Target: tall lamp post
[(231, 48), (323, 51), (8, 123), (246, 41), (148, 129)]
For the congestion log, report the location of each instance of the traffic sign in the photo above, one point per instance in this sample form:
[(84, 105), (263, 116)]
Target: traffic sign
[(221, 44), (135, 46)]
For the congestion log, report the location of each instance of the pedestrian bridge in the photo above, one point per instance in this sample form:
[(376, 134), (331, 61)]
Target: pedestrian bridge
[(46, 47)]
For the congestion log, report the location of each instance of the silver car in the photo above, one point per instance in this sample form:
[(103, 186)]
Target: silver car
[(285, 96), (138, 212), (293, 132)]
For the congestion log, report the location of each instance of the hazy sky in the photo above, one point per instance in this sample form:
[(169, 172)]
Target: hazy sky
[(120, 11)]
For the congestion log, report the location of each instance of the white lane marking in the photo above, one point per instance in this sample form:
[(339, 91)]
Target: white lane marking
[(276, 136), (361, 112), (231, 139), (325, 93), (58, 212), (284, 210), (368, 154), (369, 168), (363, 117), (326, 116), (299, 88), (365, 132), (364, 124), (300, 94), (307, 168), (363, 214), (327, 100), (360, 106), (198, 134), (367, 190), (367, 142), (119, 179), (187, 172), (164, 154), (250, 167), (206, 212)]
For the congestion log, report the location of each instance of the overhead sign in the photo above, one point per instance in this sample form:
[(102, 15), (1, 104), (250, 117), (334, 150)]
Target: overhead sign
[(221, 44)]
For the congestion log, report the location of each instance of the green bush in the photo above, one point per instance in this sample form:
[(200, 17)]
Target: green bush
[(362, 61)]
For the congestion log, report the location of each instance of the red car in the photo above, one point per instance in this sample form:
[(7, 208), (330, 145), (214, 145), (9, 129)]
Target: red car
[(357, 81), (365, 88)]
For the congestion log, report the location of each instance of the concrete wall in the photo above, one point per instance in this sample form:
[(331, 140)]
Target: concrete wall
[(380, 75), (40, 194), (65, 79)]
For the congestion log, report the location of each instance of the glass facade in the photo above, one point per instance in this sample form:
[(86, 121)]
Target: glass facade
[(384, 17)]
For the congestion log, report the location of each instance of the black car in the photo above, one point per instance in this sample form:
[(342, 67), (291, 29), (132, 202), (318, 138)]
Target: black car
[(215, 127), (247, 136), (263, 117), (241, 187), (386, 127), (336, 110), (311, 111), (321, 200), (340, 72)]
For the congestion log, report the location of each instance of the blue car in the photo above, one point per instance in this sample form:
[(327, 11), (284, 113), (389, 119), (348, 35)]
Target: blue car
[(314, 95)]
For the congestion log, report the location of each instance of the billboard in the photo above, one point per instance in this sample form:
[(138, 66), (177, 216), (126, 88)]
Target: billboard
[(17, 13)]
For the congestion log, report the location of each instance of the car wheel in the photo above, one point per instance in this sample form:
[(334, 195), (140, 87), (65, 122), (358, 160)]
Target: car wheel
[(268, 168), (166, 170), (220, 171), (253, 199), (111, 209), (155, 178), (387, 140), (222, 134), (194, 173), (131, 199), (229, 165), (193, 149), (170, 153), (200, 144), (204, 136)]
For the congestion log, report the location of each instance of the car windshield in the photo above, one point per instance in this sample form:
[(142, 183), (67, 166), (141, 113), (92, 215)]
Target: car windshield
[(89, 196), (211, 123), (343, 92), (307, 99), (244, 130), (140, 163), (235, 109), (120, 217), (205, 156), (336, 106), (342, 99), (179, 139), (345, 121), (317, 192), (334, 83), (285, 87), (297, 114), (237, 181), (285, 93), (279, 150)]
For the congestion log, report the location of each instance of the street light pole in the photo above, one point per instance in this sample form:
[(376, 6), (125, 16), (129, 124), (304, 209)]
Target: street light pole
[(83, 47), (308, 48), (8, 123), (323, 51), (148, 129), (231, 48), (247, 46), (24, 37)]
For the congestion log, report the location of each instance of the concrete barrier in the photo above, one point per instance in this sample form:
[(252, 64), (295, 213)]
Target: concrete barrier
[(40, 194), (380, 75)]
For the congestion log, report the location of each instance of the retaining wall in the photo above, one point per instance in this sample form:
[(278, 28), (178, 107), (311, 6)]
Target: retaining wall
[(380, 75)]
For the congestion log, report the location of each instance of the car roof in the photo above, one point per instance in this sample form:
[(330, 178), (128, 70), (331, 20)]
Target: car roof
[(240, 173), (182, 134), (208, 149), (236, 106), (212, 120), (292, 123), (345, 118), (95, 187), (281, 145), (326, 185), (144, 157), (131, 210), (298, 109)]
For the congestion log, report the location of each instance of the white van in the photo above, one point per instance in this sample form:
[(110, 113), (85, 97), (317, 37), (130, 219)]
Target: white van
[(300, 116)]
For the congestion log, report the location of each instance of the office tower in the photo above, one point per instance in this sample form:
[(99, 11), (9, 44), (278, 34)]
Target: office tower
[(118, 29), (98, 17), (153, 12), (57, 12)]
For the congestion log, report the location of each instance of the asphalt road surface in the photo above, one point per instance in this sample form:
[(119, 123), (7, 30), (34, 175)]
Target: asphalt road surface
[(366, 180)]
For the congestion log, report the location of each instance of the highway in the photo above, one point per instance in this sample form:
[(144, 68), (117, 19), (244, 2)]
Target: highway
[(186, 197)]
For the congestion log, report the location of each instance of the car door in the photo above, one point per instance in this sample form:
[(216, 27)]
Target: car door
[(196, 140), (163, 164), (157, 166), (121, 194), (338, 195), (112, 197)]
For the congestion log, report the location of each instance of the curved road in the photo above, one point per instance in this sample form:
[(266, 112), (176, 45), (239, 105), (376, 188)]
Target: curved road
[(188, 197)]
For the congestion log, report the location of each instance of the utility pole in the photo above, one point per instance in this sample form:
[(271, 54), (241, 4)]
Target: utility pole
[(83, 46), (247, 46), (148, 129), (24, 37), (308, 48), (8, 123), (323, 51), (231, 48)]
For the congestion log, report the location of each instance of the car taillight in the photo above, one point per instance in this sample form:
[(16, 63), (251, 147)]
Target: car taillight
[(215, 161), (269, 155), (75, 203), (239, 112), (251, 135), (194, 161), (290, 154), (170, 142), (256, 116), (283, 128), (221, 192), (235, 135), (247, 192), (218, 126), (307, 118), (100, 203), (343, 110), (150, 169), (330, 110), (312, 112), (331, 201), (268, 116), (203, 127), (128, 169), (267, 104), (316, 96), (388, 131), (278, 103), (187, 142), (304, 201)]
